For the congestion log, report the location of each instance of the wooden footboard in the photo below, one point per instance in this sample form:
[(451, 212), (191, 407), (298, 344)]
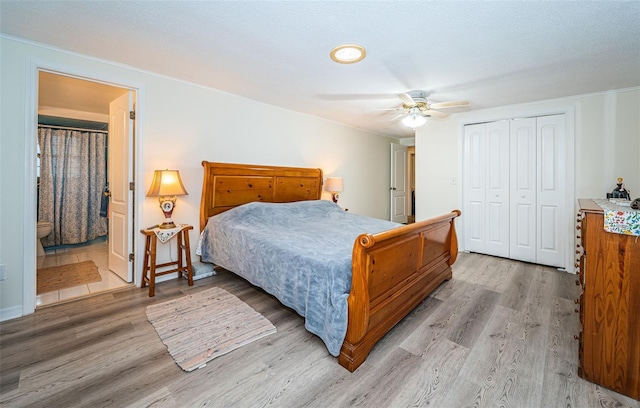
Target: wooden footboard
[(393, 271)]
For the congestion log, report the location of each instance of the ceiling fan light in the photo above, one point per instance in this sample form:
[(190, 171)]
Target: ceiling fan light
[(348, 53), (414, 120)]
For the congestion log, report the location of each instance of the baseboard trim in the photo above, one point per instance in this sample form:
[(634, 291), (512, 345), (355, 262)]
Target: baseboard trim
[(10, 313)]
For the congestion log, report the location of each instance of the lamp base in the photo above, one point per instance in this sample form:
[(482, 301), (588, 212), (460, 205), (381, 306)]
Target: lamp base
[(167, 225), (167, 204), (334, 197)]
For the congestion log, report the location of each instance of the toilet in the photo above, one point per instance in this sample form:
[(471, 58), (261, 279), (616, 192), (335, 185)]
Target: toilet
[(42, 230)]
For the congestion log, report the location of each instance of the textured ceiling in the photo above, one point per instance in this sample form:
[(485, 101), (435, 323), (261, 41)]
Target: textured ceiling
[(277, 52)]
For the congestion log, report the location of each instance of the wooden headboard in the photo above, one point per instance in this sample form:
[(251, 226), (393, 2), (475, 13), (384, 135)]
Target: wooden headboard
[(229, 185)]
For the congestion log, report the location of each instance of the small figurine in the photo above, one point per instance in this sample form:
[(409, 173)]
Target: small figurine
[(620, 191)]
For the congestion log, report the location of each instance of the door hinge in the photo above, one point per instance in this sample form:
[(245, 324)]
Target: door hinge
[(131, 257), (132, 185), (132, 115)]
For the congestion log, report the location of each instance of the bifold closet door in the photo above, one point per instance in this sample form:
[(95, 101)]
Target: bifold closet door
[(486, 184), (513, 186), (550, 185), (474, 169), (522, 185)]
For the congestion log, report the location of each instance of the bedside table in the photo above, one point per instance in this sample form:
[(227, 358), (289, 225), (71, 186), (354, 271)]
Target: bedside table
[(182, 265)]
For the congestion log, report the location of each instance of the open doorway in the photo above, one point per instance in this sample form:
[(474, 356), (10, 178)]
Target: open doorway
[(74, 168), (411, 192), (402, 205)]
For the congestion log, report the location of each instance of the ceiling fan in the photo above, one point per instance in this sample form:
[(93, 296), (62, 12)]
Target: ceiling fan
[(418, 108)]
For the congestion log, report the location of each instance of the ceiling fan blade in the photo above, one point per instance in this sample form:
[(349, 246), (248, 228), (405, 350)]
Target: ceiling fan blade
[(452, 104), (399, 116), (356, 97), (435, 113), (407, 99), (388, 109)]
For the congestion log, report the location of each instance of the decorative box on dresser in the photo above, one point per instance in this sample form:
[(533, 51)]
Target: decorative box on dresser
[(609, 273)]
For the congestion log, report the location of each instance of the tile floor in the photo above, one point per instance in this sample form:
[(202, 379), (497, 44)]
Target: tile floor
[(98, 253)]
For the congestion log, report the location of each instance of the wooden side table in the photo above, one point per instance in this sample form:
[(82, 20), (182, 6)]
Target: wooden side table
[(182, 265)]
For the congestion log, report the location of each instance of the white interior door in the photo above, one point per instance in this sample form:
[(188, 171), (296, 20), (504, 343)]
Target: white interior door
[(474, 187), (497, 188), (398, 204), (523, 189), (120, 174), (551, 175)]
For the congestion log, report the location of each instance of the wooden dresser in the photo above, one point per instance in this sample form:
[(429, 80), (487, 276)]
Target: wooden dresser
[(609, 272)]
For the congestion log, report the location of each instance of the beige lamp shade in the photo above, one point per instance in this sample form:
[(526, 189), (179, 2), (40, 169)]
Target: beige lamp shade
[(166, 183), (334, 184)]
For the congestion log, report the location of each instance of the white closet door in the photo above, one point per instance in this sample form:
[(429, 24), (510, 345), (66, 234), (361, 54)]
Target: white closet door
[(497, 188), (514, 189), (474, 187), (523, 189), (551, 177)]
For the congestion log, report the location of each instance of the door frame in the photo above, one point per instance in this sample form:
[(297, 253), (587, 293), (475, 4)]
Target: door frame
[(569, 160), (31, 128)]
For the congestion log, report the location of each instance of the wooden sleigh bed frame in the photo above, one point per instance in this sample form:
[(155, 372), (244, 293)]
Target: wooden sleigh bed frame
[(393, 271)]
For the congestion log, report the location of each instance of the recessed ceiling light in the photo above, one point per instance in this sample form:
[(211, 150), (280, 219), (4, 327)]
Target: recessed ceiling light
[(348, 53)]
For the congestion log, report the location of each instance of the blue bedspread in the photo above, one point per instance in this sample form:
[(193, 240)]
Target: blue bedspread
[(299, 252)]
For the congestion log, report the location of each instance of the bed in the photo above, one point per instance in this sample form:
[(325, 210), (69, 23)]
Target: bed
[(352, 287)]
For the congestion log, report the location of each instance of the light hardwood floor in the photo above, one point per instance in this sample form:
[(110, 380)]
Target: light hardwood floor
[(499, 334)]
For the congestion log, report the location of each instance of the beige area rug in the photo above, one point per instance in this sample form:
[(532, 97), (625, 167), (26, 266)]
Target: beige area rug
[(66, 276), (200, 327)]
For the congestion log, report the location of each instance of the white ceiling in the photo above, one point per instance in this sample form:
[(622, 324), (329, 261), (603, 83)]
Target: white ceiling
[(277, 52)]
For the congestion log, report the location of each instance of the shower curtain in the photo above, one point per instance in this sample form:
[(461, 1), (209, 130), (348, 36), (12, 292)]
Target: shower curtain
[(72, 179)]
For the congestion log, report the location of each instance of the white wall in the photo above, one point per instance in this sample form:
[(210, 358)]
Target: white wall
[(607, 146), (180, 124)]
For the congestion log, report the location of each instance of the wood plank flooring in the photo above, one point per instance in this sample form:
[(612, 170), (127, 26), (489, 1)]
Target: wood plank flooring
[(499, 334)]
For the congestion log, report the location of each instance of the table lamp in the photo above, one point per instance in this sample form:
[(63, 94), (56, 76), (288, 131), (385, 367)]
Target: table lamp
[(167, 185), (335, 186)]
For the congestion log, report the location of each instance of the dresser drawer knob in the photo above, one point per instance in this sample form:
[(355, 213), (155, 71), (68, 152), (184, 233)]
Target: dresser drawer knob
[(576, 337)]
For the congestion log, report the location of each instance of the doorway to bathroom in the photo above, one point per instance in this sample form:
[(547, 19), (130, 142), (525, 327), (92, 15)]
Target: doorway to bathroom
[(81, 133)]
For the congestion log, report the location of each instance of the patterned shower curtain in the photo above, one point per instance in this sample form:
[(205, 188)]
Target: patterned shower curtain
[(72, 179)]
